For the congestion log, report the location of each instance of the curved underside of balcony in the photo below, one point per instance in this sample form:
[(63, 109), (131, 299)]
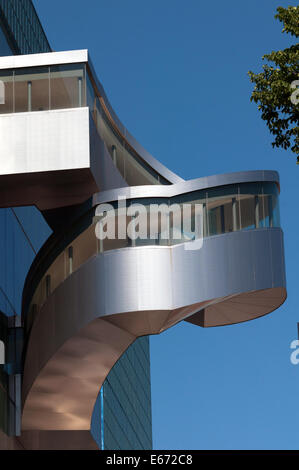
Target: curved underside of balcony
[(96, 313)]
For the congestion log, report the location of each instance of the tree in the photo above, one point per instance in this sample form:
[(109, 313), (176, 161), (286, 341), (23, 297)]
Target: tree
[(276, 88)]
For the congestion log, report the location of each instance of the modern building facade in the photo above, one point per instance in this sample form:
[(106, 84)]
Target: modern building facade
[(23, 230), (77, 307)]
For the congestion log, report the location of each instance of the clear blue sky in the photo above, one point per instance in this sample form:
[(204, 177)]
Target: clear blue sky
[(176, 74)]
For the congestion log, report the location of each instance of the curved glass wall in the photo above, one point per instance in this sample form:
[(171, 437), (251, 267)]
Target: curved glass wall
[(133, 169), (223, 210), (69, 86)]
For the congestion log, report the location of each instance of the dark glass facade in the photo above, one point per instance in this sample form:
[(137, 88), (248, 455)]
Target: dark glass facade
[(122, 415), (126, 414), (23, 230), (22, 27)]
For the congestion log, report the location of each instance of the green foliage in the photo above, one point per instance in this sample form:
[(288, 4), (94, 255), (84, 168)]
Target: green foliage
[(275, 89)]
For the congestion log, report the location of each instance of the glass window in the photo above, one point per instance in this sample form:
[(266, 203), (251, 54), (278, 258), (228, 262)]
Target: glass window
[(116, 222), (90, 95), (161, 221), (56, 273), (83, 248), (6, 91), (113, 144), (271, 205), (223, 210), (130, 166), (137, 171), (184, 227), (67, 86), (31, 89), (249, 206)]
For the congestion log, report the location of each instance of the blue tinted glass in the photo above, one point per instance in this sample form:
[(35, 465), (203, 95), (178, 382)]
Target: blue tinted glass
[(126, 405)]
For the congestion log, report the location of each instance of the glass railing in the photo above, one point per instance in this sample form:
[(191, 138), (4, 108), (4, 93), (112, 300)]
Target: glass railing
[(224, 209), (134, 170), (42, 88), (69, 86)]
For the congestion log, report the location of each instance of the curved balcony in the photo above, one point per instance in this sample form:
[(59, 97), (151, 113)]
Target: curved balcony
[(86, 300)]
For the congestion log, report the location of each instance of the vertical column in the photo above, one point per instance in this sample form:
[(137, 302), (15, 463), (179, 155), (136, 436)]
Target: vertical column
[(13, 92), (270, 209), (29, 94), (114, 154), (222, 219), (234, 211), (80, 92), (171, 219), (204, 220), (207, 233), (256, 211), (70, 255)]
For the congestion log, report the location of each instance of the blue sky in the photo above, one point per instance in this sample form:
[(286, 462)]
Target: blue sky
[(176, 74)]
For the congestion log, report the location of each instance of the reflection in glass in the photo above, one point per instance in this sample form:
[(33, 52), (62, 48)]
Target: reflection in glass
[(128, 163), (67, 86), (223, 210), (31, 89), (6, 91)]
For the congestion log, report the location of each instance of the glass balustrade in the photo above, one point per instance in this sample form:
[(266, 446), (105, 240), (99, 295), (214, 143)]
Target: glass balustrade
[(160, 222), (70, 86), (42, 88)]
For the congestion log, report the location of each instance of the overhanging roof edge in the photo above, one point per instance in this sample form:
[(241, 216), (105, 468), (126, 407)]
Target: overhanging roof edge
[(44, 58)]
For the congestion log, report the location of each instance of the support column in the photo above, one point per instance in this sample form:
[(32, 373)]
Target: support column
[(256, 211), (29, 95), (234, 211), (114, 154), (80, 92), (70, 253)]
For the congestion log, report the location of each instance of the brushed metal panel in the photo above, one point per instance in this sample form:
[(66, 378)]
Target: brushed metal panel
[(50, 163), (44, 141), (98, 311)]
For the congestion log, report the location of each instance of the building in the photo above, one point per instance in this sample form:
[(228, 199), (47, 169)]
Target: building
[(23, 230), (211, 254)]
